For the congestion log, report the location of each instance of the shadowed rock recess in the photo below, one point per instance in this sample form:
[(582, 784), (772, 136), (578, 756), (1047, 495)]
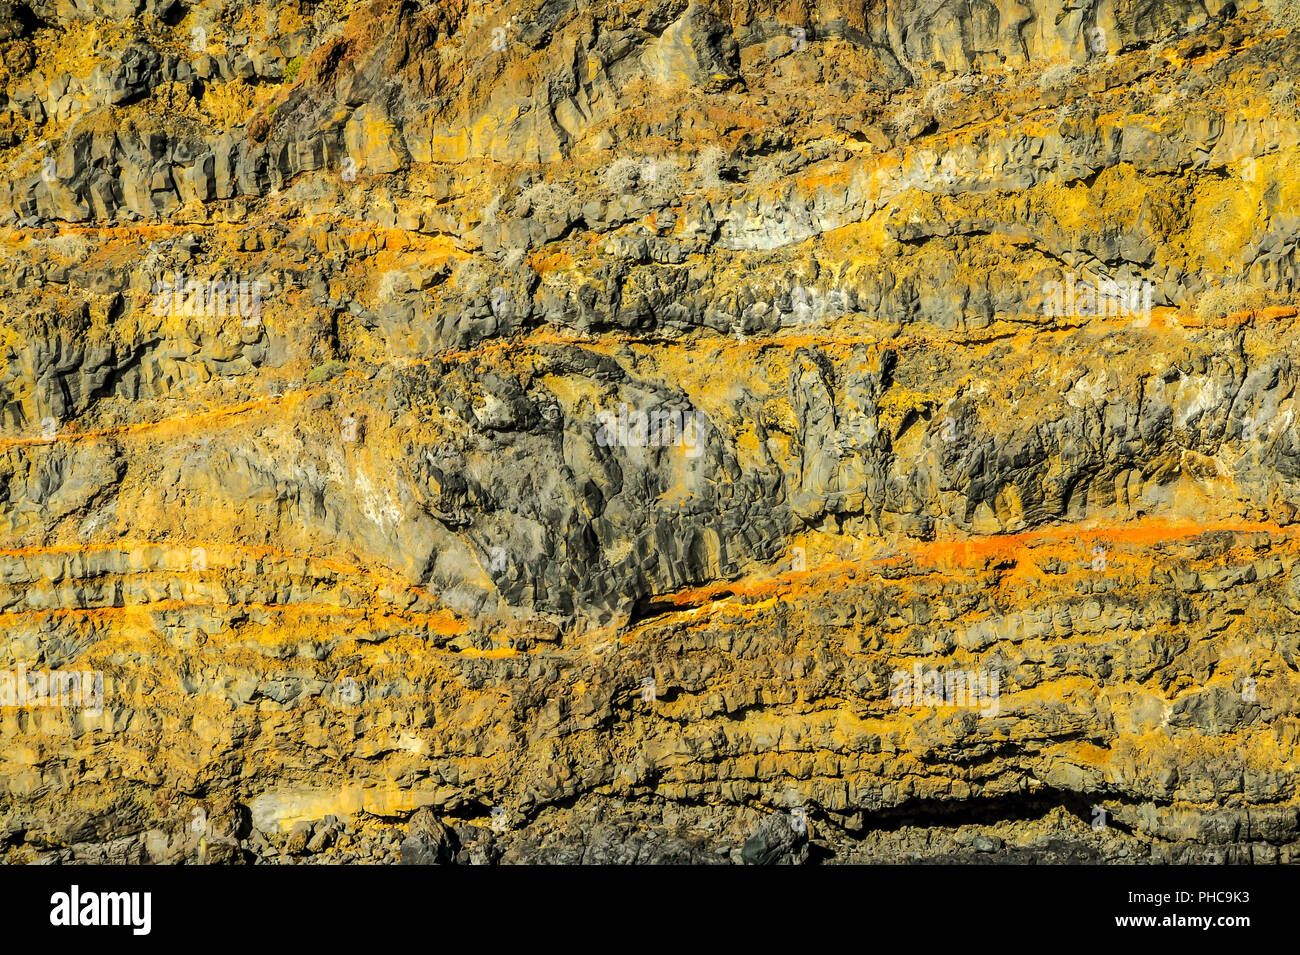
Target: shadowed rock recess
[(708, 431)]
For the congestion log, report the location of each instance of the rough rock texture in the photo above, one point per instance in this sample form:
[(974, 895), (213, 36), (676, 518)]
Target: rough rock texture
[(373, 569)]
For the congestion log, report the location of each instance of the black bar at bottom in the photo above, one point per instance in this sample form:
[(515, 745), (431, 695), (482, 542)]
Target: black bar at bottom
[(334, 905)]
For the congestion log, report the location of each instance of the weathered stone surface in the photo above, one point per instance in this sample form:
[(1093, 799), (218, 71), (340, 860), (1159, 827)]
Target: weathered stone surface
[(550, 433)]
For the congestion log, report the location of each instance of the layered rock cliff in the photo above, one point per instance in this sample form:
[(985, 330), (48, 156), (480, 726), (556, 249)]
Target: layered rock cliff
[(656, 431)]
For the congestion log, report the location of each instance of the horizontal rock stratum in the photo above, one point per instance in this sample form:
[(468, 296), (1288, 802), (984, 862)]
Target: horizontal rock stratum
[(658, 431)]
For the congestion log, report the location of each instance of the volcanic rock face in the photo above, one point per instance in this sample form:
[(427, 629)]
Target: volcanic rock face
[(659, 431)]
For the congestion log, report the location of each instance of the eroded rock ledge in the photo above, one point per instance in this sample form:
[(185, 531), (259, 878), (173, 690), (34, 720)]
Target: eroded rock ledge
[(552, 433)]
